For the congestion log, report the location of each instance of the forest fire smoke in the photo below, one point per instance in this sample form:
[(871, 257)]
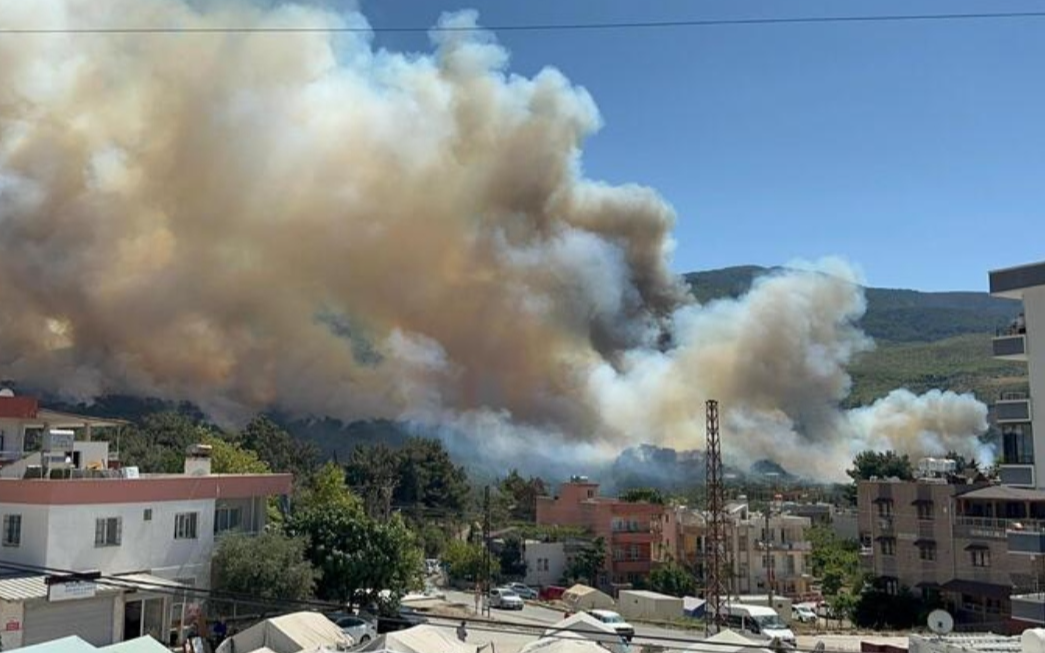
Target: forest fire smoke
[(306, 222)]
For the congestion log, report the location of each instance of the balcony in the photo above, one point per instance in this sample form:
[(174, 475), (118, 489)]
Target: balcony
[(1029, 607), (1030, 542), (1010, 346), (784, 546), (632, 537), (1012, 408), (984, 527)]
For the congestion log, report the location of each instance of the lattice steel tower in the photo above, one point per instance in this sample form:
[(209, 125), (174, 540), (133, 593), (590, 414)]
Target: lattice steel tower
[(716, 590)]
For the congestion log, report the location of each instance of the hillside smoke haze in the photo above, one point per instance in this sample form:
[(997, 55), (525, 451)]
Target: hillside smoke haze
[(303, 222)]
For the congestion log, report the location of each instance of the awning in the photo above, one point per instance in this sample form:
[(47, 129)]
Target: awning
[(922, 502), (27, 587), (883, 500), (925, 542), (927, 585), (976, 588), (977, 547), (885, 538)]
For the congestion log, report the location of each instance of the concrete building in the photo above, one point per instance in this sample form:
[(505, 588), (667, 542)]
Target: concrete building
[(773, 556), (629, 529), (545, 562), (70, 507)]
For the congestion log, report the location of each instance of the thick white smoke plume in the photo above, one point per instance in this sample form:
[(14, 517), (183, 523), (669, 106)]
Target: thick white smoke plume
[(302, 221)]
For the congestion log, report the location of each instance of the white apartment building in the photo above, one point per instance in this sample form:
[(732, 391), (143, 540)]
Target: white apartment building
[(545, 562), (68, 507), (770, 555)]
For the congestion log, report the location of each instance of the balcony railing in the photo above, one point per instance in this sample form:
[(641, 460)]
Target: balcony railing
[(784, 546), (994, 527), (1009, 346)]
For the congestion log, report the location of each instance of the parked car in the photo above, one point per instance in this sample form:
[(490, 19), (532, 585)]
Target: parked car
[(405, 618), (505, 599), (611, 618), (551, 593), (359, 629), (804, 613), (525, 592)]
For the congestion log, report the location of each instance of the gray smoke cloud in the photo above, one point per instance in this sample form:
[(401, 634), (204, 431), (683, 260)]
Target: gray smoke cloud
[(306, 222)]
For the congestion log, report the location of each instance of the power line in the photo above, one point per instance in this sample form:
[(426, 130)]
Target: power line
[(505, 627), (536, 27)]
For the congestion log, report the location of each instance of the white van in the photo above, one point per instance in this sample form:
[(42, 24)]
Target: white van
[(760, 621)]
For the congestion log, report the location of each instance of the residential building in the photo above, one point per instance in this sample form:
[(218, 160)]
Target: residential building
[(773, 556), (630, 530), (545, 562), (70, 507)]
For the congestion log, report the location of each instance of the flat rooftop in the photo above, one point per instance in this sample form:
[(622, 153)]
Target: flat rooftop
[(1010, 282)]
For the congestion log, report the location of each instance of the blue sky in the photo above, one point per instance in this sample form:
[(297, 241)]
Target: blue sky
[(915, 150)]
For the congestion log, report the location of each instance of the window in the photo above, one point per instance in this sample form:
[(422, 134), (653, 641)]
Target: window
[(927, 551), (887, 546), (925, 510), (981, 557), (12, 530), (147, 514), (892, 585), (885, 507), (227, 519), (618, 553), (108, 531), (185, 525), (1017, 444), (633, 552)]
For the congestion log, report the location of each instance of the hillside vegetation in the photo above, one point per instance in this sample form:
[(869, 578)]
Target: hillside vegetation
[(925, 340)]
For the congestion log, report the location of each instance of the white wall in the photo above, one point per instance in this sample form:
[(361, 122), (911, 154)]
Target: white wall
[(145, 545), (11, 612), (32, 549), (554, 553), (1034, 312)]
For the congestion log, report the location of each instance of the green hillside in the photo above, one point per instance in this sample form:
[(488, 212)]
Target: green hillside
[(925, 340)]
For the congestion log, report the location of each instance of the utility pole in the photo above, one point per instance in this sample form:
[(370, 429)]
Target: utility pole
[(716, 520), (486, 550), (768, 549)]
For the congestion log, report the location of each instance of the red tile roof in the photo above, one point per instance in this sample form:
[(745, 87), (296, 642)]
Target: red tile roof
[(19, 407)]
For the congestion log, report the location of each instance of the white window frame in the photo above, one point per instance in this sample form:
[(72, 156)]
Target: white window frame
[(187, 526), (108, 531)]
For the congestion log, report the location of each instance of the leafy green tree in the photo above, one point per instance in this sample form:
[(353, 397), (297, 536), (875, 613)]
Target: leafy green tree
[(876, 608), (523, 493), (465, 562), (358, 557), (327, 489), (589, 563), (868, 464), (282, 451), (159, 443), (643, 495), (432, 539), (230, 458), (269, 566), (512, 557), (429, 479), (373, 472), (672, 579)]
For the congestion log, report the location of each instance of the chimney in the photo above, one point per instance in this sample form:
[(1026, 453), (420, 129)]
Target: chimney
[(197, 460)]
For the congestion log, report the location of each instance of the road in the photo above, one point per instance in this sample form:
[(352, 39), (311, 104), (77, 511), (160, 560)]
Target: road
[(537, 616), (507, 640)]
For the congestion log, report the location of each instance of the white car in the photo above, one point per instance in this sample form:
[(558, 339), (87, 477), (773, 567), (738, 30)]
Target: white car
[(614, 620), (504, 598), (804, 613), (360, 630)]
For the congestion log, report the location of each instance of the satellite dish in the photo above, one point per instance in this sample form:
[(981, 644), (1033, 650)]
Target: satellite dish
[(941, 622)]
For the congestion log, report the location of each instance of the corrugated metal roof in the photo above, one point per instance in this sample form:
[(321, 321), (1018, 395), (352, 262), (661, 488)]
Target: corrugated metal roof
[(28, 587)]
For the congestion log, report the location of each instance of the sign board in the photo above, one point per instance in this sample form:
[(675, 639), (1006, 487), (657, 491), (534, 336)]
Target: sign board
[(13, 625), (71, 591)]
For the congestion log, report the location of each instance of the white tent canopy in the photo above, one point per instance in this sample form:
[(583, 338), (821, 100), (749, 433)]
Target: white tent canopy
[(426, 639), (289, 633), (584, 626), (561, 645), (727, 641)]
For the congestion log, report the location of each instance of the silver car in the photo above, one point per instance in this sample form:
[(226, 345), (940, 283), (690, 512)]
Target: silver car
[(505, 599)]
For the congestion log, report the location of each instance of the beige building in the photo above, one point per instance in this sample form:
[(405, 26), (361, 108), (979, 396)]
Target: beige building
[(773, 556)]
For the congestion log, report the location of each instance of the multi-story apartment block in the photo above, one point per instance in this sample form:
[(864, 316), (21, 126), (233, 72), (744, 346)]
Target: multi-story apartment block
[(765, 557), (630, 530), (981, 547), (69, 506)]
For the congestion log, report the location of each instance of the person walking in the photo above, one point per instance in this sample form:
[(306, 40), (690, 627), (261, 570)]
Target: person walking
[(462, 632)]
